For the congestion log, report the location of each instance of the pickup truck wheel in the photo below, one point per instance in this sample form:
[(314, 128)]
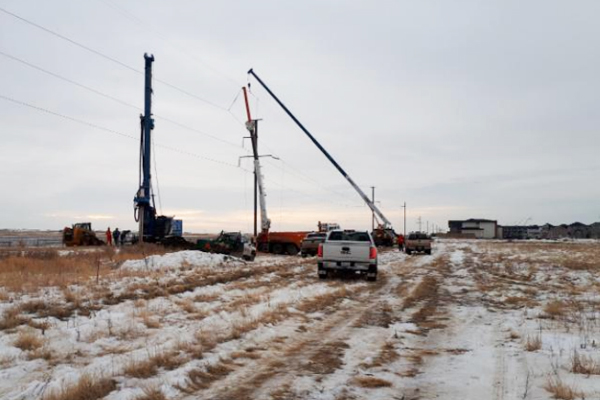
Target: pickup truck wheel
[(372, 278), (322, 273), (428, 252), (408, 252)]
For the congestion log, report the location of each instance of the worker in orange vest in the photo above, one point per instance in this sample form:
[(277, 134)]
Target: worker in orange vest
[(108, 237)]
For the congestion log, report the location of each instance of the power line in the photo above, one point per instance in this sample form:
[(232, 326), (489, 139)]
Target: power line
[(117, 100), (109, 58), (91, 124), (69, 80), (162, 36)]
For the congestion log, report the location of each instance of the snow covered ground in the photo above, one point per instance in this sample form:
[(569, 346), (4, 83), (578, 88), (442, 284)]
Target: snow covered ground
[(475, 320)]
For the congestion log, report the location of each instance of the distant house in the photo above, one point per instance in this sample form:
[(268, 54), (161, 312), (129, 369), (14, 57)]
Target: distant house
[(479, 228), (576, 230)]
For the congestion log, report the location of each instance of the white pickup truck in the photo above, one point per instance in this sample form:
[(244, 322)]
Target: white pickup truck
[(348, 251)]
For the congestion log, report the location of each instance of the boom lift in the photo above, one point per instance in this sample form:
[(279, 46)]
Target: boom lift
[(386, 226), (273, 242)]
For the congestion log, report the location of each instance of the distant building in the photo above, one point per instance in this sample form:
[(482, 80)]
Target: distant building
[(479, 228), (576, 230)]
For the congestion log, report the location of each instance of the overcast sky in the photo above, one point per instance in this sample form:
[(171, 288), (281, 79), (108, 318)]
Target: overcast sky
[(484, 109)]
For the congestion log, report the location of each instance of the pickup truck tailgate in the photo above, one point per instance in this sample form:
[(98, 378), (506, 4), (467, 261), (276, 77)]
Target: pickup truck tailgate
[(347, 251)]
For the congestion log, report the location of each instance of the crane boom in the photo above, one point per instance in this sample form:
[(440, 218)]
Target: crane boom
[(371, 205), (265, 222)]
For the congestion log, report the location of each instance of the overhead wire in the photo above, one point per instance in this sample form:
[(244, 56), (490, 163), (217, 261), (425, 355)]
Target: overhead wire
[(149, 27), (109, 58), (115, 132), (112, 98)]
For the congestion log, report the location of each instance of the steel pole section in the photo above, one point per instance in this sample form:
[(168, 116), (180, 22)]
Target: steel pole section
[(404, 220), (311, 137), (373, 212)]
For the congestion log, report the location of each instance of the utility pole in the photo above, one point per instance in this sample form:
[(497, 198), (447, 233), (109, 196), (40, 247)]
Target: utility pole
[(420, 223), (372, 212), (427, 226), (252, 126), (404, 206)]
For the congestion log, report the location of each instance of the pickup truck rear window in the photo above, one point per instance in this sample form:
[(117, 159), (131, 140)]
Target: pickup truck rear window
[(417, 236), (359, 237), (349, 236)]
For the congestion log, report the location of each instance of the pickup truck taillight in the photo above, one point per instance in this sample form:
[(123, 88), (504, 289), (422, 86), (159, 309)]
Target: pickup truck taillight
[(373, 253), (320, 250)]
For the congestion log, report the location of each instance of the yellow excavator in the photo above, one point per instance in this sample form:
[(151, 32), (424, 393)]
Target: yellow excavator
[(81, 234)]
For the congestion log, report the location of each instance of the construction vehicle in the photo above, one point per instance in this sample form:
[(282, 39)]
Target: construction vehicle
[(153, 228), (267, 241), (418, 241), (328, 226), (231, 243), (383, 236), (384, 227), (80, 234)]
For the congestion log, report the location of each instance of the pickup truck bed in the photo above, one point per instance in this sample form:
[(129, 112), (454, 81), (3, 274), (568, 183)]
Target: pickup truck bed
[(347, 251)]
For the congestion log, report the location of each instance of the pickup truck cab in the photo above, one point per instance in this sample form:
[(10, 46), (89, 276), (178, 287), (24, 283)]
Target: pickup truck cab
[(348, 251), (310, 244), (418, 241)]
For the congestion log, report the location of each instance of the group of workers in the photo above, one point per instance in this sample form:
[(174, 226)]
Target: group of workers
[(115, 235)]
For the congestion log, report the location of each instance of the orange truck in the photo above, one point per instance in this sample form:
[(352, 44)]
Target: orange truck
[(280, 242)]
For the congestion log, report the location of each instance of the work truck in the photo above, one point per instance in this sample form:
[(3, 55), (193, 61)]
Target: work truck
[(352, 251), (418, 241)]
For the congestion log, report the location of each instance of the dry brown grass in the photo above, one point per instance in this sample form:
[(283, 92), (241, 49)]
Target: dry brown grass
[(323, 301), (148, 367), (28, 340), (202, 378), (151, 393), (560, 390), (533, 343), (151, 321), (514, 335), (370, 382), (426, 289), (88, 387), (582, 364), (387, 354), (328, 358), (12, 318), (556, 309)]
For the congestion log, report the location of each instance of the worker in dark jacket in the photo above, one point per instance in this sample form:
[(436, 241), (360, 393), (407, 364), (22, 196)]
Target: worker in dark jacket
[(116, 235)]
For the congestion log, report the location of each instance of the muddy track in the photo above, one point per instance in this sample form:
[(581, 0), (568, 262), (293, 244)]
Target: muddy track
[(315, 352)]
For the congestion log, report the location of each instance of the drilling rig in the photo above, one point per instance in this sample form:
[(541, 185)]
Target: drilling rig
[(152, 228)]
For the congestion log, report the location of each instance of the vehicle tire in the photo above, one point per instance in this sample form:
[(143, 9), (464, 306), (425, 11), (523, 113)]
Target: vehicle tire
[(291, 249), (303, 254), (277, 248), (372, 274), (428, 252), (322, 273), (407, 252)]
